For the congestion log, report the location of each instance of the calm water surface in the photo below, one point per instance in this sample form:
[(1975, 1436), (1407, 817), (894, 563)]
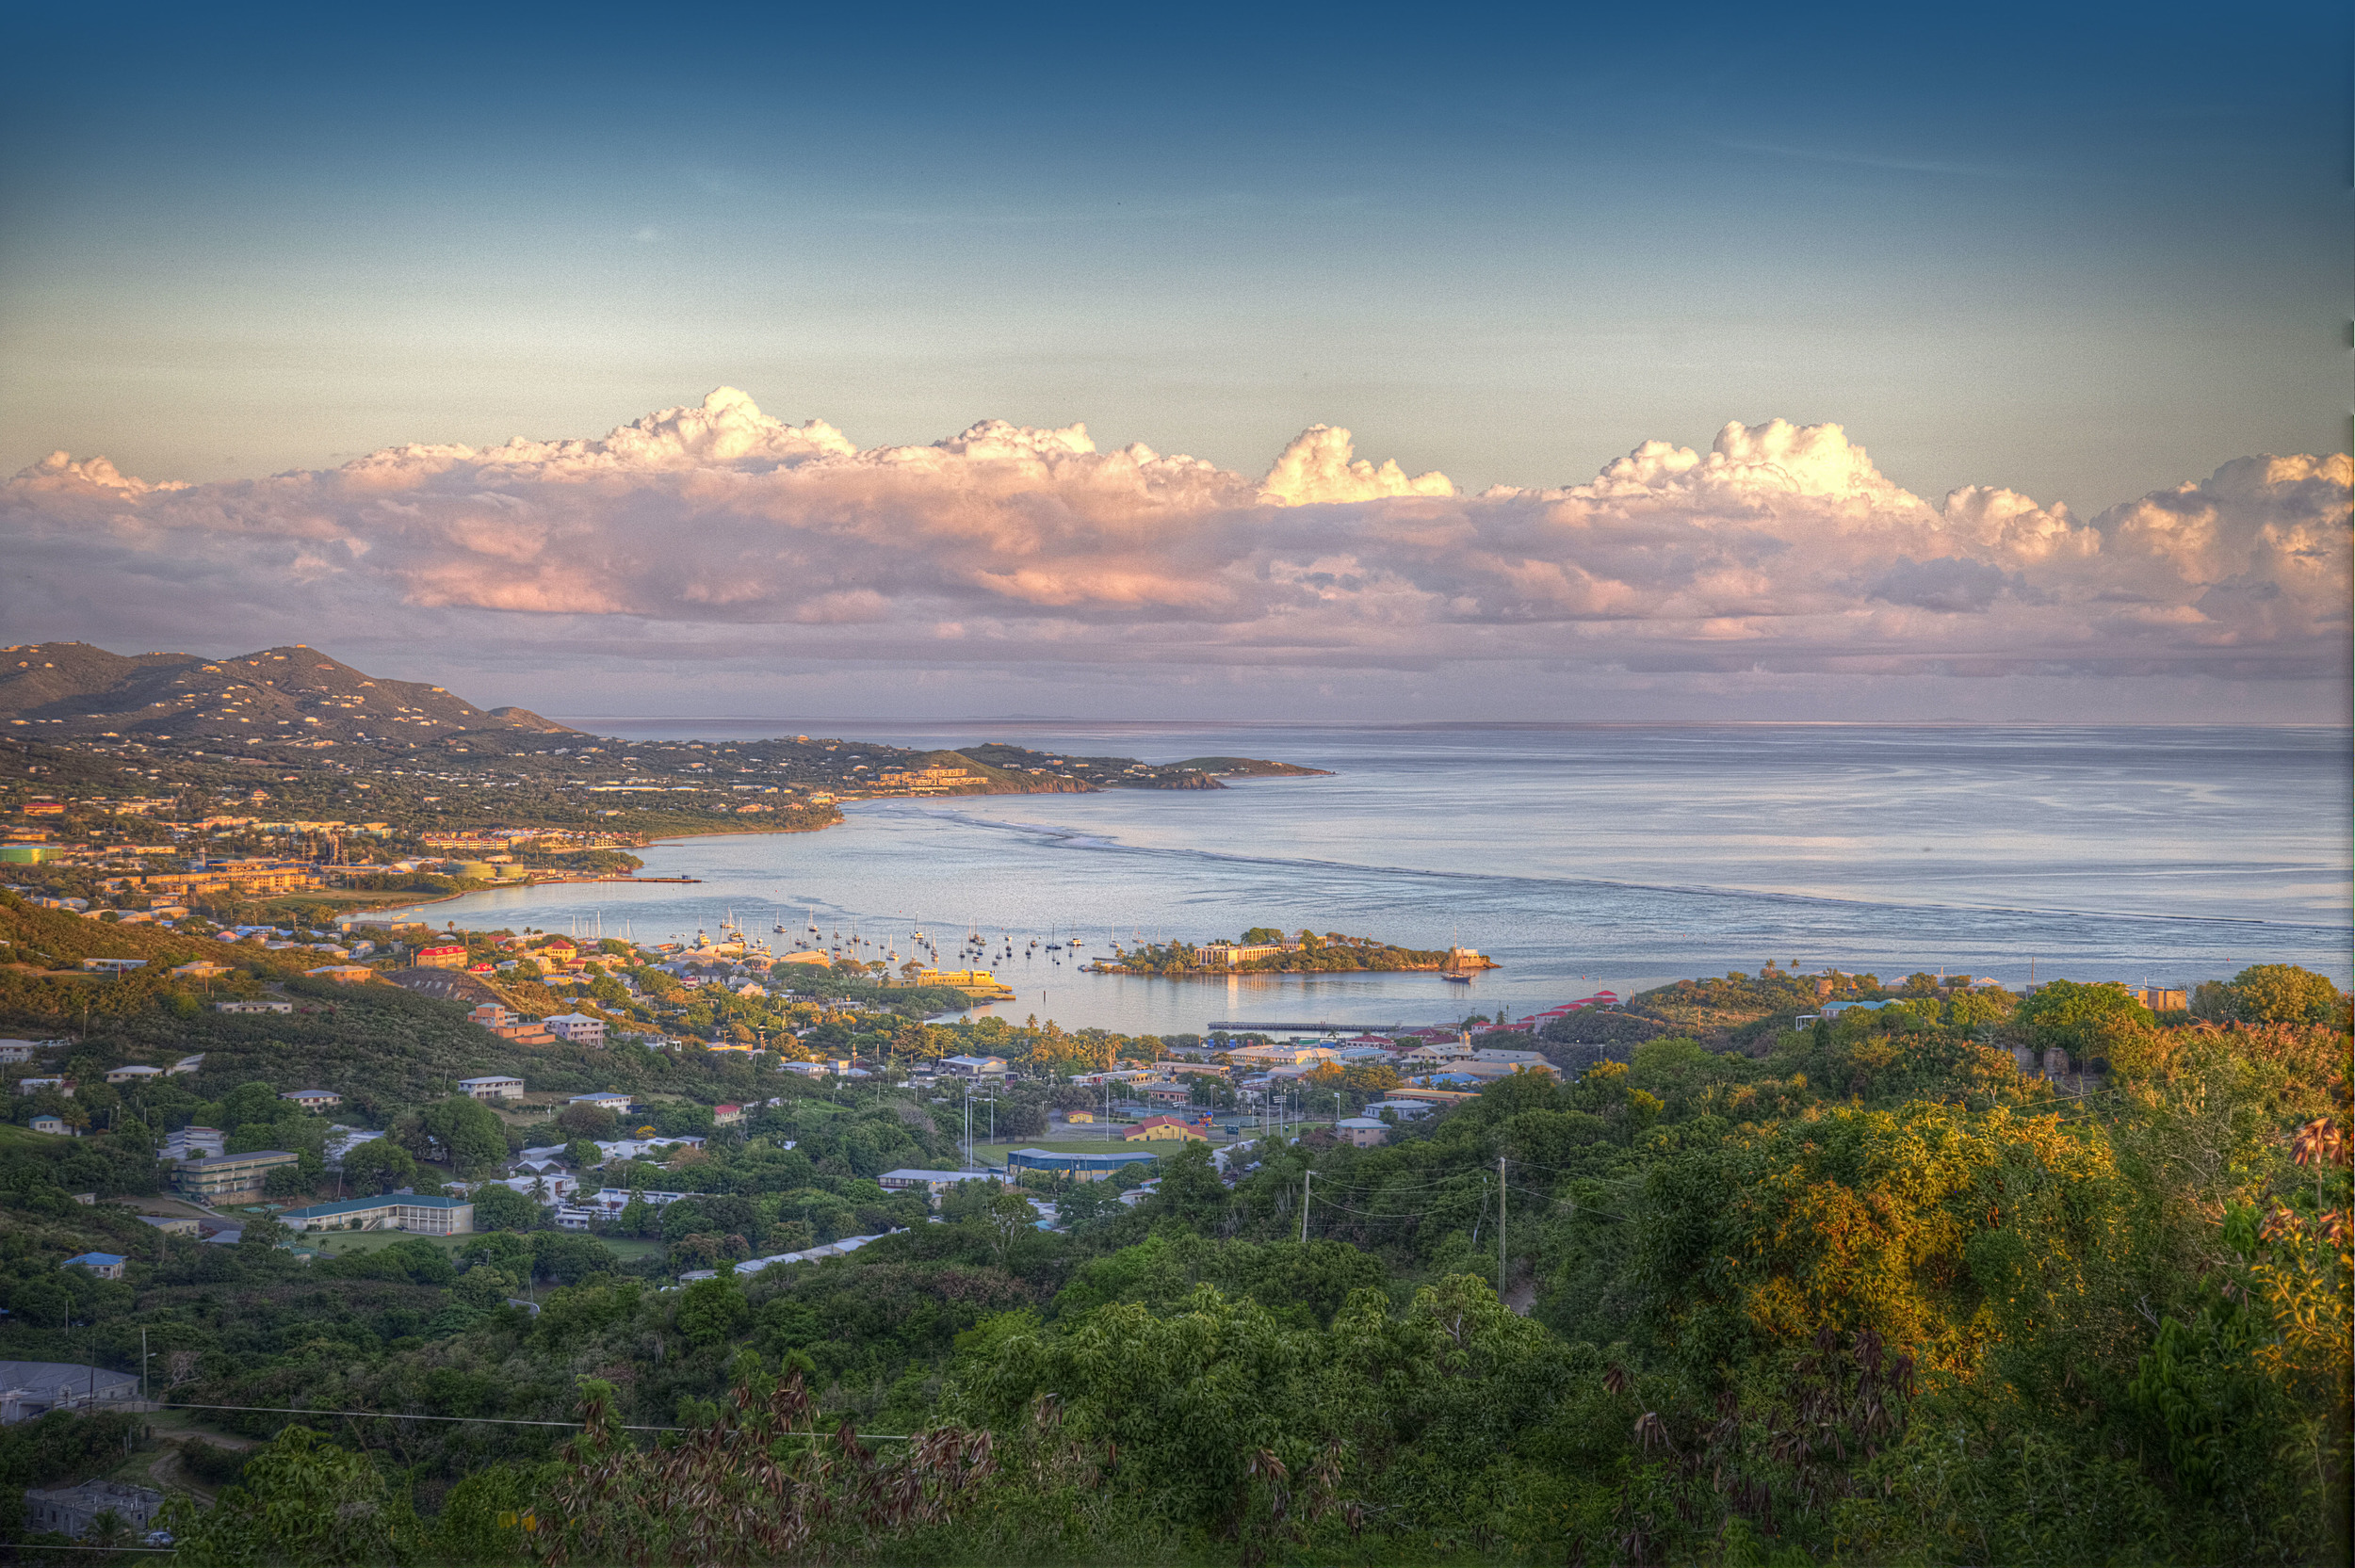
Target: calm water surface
[(1579, 856)]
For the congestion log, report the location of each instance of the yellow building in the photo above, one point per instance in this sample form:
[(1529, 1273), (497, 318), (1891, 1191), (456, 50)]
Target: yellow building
[(1155, 1129), (980, 984)]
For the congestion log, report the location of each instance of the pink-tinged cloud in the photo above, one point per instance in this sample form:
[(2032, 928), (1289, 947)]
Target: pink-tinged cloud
[(1781, 547)]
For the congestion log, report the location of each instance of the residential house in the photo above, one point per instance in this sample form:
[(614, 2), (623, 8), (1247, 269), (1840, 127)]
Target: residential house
[(34, 1086), (106, 1266), (15, 1052), (933, 1182), (343, 974), (133, 1075), (314, 1099), (31, 1388), (495, 1087), (56, 1126), (203, 969), (726, 1115), (170, 1224), (579, 1027), (254, 1007), (608, 1099), (1364, 1131), (194, 1144), (974, 1067)]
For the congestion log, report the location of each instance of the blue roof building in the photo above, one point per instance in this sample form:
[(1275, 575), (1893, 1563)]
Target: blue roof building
[(106, 1266), (1087, 1167)]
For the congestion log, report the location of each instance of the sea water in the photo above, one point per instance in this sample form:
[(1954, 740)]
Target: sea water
[(1579, 857)]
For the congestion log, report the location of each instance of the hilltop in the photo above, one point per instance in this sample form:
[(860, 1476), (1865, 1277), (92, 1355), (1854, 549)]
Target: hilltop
[(292, 696)]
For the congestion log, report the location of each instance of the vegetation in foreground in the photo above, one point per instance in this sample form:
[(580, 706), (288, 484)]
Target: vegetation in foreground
[(1861, 1292)]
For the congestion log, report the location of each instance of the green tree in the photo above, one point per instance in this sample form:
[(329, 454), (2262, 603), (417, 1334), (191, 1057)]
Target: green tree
[(2070, 1015), (302, 1500), (470, 1131), (499, 1208), (380, 1165), (2283, 993), (712, 1311)]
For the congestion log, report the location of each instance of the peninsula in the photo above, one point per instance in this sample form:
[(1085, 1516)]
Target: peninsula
[(1265, 950), (286, 776)]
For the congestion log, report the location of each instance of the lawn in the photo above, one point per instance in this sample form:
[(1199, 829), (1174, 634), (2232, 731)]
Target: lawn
[(343, 1242)]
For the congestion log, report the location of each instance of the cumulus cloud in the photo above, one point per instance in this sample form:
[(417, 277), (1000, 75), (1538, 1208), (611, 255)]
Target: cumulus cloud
[(1779, 547)]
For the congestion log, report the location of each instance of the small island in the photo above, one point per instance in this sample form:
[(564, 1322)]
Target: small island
[(1265, 950)]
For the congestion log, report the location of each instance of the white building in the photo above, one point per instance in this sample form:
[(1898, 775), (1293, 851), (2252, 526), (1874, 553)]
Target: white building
[(493, 1087), (577, 1028)]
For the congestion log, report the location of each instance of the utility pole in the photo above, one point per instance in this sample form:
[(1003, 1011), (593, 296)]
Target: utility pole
[(1500, 1228), (1305, 1176), (143, 1361)]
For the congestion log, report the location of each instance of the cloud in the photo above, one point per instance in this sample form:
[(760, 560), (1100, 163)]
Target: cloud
[(1779, 548)]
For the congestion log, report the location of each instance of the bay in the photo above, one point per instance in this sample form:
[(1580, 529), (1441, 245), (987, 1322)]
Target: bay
[(1580, 856)]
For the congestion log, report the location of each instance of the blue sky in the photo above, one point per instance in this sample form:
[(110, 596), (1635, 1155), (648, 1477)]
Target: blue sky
[(2083, 253)]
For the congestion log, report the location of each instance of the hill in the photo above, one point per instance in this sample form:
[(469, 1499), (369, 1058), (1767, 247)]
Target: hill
[(295, 696)]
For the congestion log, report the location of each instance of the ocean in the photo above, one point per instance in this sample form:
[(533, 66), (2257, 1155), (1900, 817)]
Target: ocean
[(1579, 857)]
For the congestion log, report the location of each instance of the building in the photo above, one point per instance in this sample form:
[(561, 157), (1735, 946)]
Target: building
[(72, 1510), (1087, 1167), (314, 1099), (30, 1388), (609, 1099), (933, 1182), (1364, 1131), (14, 1052), (1406, 1110), (979, 984), (1163, 1130), (579, 1027), (114, 966), (56, 1126), (254, 1007), (106, 1266), (974, 1067), (34, 1086), (342, 974), (1168, 1093), (396, 1211), (170, 1224), (133, 1075), (821, 960), (194, 1144), (1226, 955), (493, 1087), (228, 1178), (448, 954), (203, 969), (491, 1016), (2160, 999), (726, 1115)]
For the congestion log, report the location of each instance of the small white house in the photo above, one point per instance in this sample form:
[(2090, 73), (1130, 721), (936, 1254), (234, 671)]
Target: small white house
[(133, 1075), (495, 1087)]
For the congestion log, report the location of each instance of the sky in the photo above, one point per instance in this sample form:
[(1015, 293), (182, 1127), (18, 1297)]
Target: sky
[(2009, 348)]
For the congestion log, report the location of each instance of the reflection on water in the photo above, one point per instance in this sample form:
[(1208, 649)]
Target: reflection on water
[(1580, 856)]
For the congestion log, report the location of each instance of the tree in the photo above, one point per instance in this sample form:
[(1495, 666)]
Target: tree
[(301, 1499), (379, 1165), (470, 1131), (2069, 1015), (498, 1207), (2283, 994), (712, 1311)]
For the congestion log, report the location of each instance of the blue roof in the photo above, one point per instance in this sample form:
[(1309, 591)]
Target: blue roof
[(105, 1259), (1045, 1159)]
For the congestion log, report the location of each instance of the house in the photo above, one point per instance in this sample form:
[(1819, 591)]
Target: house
[(133, 1075), (1168, 1093), (34, 1086), (609, 1099), (106, 1266), (579, 1027), (448, 954), (491, 1016), (726, 1115), (228, 1177), (493, 1087), (54, 1126), (254, 1007), (395, 1211), (1163, 1130), (203, 969), (1364, 1131), (70, 1511), (1406, 1110), (114, 966), (314, 1099), (14, 1052), (30, 1388), (170, 1224), (342, 974), (194, 1144), (1087, 1167), (974, 1067)]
